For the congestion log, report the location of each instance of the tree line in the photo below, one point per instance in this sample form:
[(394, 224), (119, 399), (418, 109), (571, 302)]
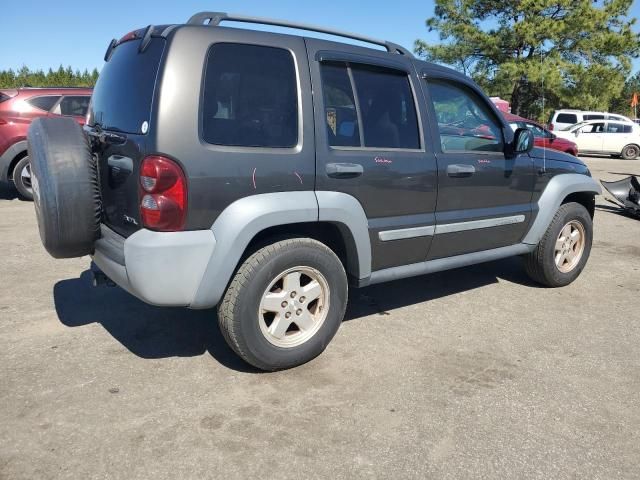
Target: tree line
[(572, 54), (62, 77)]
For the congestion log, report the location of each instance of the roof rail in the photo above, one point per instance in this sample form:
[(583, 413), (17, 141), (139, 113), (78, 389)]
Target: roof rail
[(215, 18)]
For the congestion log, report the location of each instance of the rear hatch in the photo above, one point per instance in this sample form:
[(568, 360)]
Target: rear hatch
[(119, 115)]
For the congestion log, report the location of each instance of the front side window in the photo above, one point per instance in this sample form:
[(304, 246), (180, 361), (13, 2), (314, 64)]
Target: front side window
[(538, 132), (73, 106), (250, 97), (385, 107), (45, 103), (465, 121), (593, 128)]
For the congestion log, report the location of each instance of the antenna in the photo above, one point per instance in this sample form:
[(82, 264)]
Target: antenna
[(544, 150)]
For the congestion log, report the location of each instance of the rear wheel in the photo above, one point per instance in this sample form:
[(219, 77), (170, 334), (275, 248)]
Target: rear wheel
[(285, 304), (564, 249), (22, 178), (630, 152)]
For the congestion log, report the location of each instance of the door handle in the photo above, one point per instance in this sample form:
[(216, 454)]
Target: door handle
[(344, 170), (460, 170)]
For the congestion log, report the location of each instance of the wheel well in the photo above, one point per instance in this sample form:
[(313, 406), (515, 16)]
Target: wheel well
[(14, 162), (338, 239), (586, 199)]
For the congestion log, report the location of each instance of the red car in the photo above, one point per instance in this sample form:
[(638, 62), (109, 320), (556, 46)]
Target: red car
[(18, 108), (543, 137)]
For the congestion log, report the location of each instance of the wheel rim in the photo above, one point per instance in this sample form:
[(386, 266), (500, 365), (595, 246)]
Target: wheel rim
[(294, 306), (25, 177), (631, 152), (570, 246)]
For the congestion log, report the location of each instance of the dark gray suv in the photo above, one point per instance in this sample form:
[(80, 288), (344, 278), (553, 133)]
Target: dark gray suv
[(264, 173)]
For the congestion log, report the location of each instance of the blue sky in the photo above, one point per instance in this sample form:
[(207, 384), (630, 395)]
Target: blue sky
[(46, 33)]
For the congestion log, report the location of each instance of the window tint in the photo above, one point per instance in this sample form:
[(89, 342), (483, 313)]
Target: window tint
[(250, 97), (122, 97), (43, 103), (465, 121), (386, 107), (619, 128), (340, 107), (567, 118), (77, 106), (593, 116)]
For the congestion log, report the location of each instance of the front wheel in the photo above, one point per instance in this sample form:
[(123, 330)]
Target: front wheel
[(284, 304), (563, 252), (630, 152), (22, 179)]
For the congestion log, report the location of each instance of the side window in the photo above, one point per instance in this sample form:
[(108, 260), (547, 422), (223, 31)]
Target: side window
[(250, 97), (569, 118), (618, 128), (340, 108), (385, 107), (465, 121), (43, 103), (537, 131), (593, 128), (593, 116), (76, 106)]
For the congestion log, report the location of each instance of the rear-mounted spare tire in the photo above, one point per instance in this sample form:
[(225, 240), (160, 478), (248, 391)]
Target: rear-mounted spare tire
[(66, 193)]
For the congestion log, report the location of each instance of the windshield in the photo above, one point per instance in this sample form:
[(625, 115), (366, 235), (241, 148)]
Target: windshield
[(122, 97), (573, 127)]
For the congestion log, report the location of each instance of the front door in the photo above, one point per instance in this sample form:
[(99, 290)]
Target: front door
[(484, 196), (369, 115), (591, 137)]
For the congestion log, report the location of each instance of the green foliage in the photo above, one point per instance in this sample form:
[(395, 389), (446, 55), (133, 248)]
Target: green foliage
[(622, 103), (580, 50), (62, 77)]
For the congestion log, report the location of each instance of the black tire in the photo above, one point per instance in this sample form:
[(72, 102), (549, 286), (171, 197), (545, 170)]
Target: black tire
[(630, 152), (65, 187), (22, 183), (239, 312), (541, 264)]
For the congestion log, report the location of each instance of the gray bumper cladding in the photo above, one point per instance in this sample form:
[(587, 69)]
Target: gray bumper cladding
[(162, 269)]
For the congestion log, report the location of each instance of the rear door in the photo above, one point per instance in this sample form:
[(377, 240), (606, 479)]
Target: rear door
[(369, 115), (616, 136), (121, 108), (484, 196)]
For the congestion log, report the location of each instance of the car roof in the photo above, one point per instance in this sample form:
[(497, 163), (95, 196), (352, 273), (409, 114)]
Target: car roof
[(55, 90)]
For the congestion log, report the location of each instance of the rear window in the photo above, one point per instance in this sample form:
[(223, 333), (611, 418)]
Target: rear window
[(122, 97), (43, 103), (567, 118), (250, 97)]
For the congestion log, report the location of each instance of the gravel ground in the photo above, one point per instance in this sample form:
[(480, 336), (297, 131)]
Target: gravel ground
[(473, 373)]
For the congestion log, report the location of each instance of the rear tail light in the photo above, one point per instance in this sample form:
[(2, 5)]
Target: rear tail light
[(163, 194)]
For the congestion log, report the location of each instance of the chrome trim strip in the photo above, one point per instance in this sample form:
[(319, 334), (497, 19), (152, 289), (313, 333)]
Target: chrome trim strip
[(476, 224), (405, 233)]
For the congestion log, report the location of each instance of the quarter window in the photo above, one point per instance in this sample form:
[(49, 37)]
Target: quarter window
[(250, 97), (618, 128), (465, 121), (385, 115), (43, 103)]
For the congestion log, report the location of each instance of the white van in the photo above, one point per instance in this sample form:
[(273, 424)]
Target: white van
[(561, 119), (605, 137)]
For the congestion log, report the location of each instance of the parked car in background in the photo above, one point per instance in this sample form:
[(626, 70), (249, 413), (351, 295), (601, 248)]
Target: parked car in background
[(616, 138), (543, 137), (18, 108), (561, 119)]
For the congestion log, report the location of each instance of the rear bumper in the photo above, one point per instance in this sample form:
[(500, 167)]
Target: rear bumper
[(160, 268)]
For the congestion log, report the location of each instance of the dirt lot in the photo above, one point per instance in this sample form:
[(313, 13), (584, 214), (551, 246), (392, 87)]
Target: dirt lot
[(474, 373)]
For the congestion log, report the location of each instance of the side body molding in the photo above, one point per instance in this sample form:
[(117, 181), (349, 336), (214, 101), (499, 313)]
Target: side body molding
[(238, 224), (556, 191), (241, 221)]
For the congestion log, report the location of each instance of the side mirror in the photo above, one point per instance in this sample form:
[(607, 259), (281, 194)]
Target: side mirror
[(553, 137), (577, 132), (523, 140)]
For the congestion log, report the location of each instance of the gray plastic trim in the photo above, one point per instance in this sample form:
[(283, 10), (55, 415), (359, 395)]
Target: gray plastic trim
[(558, 188), (477, 224), (346, 212), (405, 233), (237, 225), (432, 266)]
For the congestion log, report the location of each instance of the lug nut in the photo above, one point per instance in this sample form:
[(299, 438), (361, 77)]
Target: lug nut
[(293, 294), (301, 299), (287, 315), (284, 304), (299, 312)]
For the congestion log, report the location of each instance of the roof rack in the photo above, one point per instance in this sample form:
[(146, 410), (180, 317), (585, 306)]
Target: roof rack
[(215, 18)]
